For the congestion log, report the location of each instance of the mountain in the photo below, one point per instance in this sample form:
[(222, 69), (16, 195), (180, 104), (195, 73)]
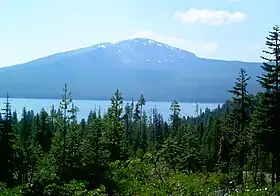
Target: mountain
[(134, 66)]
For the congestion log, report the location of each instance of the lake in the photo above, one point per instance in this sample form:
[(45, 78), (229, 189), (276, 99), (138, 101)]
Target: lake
[(85, 106)]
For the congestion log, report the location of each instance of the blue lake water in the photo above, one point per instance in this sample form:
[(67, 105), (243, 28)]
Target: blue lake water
[(85, 106)]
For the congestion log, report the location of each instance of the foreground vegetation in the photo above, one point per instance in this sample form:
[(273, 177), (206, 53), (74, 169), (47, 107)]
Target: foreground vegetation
[(233, 149)]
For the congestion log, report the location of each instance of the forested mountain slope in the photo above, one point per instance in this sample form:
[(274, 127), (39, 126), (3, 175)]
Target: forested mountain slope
[(134, 66)]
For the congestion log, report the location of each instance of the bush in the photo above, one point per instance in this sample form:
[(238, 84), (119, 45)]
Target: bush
[(142, 178), (73, 188), (17, 191)]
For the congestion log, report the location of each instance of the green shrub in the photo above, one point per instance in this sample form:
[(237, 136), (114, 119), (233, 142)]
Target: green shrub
[(73, 188)]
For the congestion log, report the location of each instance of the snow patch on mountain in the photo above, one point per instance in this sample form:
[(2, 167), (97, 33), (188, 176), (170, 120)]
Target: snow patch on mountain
[(101, 46)]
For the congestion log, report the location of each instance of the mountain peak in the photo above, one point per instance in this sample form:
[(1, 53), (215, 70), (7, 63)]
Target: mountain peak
[(142, 44), (159, 71), (145, 41)]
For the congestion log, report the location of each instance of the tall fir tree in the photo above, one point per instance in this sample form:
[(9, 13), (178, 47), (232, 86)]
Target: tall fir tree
[(270, 106), (65, 105), (239, 118), (114, 138), (7, 140), (175, 117)]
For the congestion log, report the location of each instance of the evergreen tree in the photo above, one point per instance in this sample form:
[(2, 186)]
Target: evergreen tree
[(158, 129), (65, 105), (237, 127), (175, 117), (144, 133), (45, 132), (52, 119), (14, 118), (25, 131), (188, 144), (171, 153), (92, 152), (114, 136), (270, 106), (128, 117), (138, 118), (57, 152), (7, 141)]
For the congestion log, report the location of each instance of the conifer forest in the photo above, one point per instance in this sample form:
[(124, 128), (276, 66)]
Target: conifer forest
[(231, 150)]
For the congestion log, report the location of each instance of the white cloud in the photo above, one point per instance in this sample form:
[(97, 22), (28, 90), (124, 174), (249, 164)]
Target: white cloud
[(210, 17), (201, 49)]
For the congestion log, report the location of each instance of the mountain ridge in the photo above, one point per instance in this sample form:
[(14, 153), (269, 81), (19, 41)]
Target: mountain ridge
[(135, 66), (116, 42)]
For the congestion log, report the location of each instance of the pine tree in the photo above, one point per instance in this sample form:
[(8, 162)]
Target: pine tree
[(23, 146), (171, 153), (138, 118), (93, 154), (188, 145), (137, 112), (142, 103), (144, 133), (7, 141), (25, 132), (196, 109), (238, 133), (175, 117), (73, 151), (70, 158), (52, 118), (46, 134), (64, 105), (57, 152), (14, 118), (270, 109), (158, 129), (114, 136), (128, 117), (73, 112)]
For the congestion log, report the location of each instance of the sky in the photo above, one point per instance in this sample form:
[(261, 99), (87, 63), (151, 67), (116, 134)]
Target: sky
[(219, 29)]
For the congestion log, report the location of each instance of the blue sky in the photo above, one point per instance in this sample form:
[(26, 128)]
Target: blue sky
[(221, 29)]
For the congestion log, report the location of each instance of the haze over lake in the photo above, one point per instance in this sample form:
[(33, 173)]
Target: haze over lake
[(85, 106)]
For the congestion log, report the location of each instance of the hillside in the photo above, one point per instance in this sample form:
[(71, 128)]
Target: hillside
[(134, 66)]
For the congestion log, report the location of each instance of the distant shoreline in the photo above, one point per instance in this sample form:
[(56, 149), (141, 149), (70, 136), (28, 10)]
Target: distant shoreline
[(126, 100)]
